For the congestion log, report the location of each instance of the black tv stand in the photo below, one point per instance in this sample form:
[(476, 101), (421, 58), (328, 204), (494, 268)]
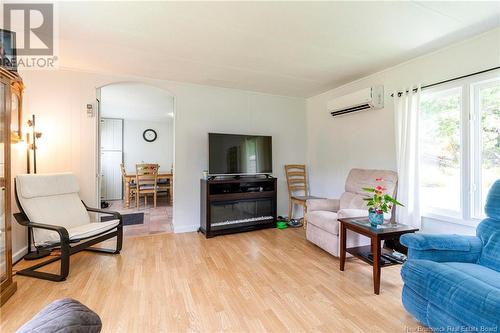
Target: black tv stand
[(237, 204), (237, 177)]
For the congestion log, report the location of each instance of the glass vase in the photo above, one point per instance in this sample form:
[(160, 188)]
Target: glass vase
[(375, 218)]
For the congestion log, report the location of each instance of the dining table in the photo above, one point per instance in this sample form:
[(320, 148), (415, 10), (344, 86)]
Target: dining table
[(162, 175)]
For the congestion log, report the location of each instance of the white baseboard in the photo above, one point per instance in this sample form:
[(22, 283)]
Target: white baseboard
[(20, 254), (186, 228)]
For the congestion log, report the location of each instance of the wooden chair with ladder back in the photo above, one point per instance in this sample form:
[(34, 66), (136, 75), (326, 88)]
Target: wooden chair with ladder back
[(146, 180), (130, 188), (298, 190), (165, 185)]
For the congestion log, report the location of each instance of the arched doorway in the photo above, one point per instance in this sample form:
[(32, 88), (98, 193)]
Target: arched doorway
[(135, 126)]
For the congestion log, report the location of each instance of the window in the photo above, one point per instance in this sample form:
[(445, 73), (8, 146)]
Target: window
[(440, 147), (459, 147), (486, 132)]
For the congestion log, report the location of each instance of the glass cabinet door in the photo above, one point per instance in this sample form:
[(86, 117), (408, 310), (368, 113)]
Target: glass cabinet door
[(3, 250), (14, 117)]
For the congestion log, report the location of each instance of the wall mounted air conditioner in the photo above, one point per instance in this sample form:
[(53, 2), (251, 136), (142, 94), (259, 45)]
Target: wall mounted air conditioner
[(365, 99)]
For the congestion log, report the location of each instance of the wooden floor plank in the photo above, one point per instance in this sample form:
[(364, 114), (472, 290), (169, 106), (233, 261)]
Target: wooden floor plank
[(268, 280), (156, 219)]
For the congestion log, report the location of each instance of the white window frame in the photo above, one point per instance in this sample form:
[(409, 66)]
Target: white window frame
[(475, 133), (470, 139)]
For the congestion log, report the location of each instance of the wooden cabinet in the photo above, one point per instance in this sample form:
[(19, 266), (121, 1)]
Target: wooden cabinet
[(10, 106)]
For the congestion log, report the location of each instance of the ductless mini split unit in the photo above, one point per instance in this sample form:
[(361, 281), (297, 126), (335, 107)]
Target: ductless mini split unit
[(365, 99)]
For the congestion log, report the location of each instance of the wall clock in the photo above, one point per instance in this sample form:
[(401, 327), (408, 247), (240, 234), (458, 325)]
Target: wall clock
[(149, 135)]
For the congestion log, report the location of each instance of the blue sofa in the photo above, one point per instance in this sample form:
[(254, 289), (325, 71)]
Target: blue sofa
[(452, 282)]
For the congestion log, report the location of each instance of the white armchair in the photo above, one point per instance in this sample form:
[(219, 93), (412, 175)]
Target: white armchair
[(51, 207), (323, 214)]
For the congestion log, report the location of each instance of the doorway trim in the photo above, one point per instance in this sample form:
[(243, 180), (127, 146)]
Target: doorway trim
[(97, 164)]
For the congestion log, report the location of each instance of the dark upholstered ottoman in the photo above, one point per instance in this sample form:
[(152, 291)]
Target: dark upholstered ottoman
[(64, 316)]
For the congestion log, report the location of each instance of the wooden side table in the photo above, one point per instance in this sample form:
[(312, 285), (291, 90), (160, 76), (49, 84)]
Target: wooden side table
[(370, 254)]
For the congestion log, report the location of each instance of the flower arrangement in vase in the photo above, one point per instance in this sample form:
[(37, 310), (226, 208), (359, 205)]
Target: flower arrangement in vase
[(379, 203)]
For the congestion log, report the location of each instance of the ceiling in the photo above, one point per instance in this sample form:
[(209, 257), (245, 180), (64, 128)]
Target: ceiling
[(285, 48), (136, 101)]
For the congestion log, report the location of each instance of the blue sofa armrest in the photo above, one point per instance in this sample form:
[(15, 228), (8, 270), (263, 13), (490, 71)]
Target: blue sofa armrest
[(443, 248)]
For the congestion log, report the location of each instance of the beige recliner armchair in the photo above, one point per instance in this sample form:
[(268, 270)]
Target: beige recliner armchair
[(322, 214)]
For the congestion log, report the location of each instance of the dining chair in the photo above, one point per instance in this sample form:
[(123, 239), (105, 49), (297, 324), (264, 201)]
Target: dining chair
[(165, 186), (146, 179), (298, 191), (129, 186)]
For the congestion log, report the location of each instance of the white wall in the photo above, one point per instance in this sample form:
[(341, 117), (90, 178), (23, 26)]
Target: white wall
[(58, 98), (137, 150), (334, 146), (366, 139)]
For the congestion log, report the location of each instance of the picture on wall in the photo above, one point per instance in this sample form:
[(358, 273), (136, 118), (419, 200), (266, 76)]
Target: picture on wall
[(8, 52)]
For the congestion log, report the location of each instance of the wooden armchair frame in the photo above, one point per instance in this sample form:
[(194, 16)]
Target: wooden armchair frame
[(65, 243)]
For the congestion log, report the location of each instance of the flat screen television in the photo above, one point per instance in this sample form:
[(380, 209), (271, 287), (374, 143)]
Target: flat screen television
[(234, 154)]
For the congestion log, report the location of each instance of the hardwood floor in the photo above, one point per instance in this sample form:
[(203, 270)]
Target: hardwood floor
[(269, 280), (156, 220)]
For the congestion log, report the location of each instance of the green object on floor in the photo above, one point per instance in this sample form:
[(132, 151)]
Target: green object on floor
[(281, 225)]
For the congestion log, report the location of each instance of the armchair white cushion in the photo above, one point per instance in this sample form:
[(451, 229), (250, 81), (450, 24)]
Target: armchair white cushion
[(331, 205), (323, 220), (323, 214), (53, 199), (352, 212)]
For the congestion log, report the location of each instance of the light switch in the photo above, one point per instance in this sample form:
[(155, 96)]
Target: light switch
[(90, 110)]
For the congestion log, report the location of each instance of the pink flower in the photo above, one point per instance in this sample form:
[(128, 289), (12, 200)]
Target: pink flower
[(379, 179), (379, 211), (380, 188)]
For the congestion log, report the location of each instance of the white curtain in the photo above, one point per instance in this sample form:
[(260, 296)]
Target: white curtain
[(406, 115)]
